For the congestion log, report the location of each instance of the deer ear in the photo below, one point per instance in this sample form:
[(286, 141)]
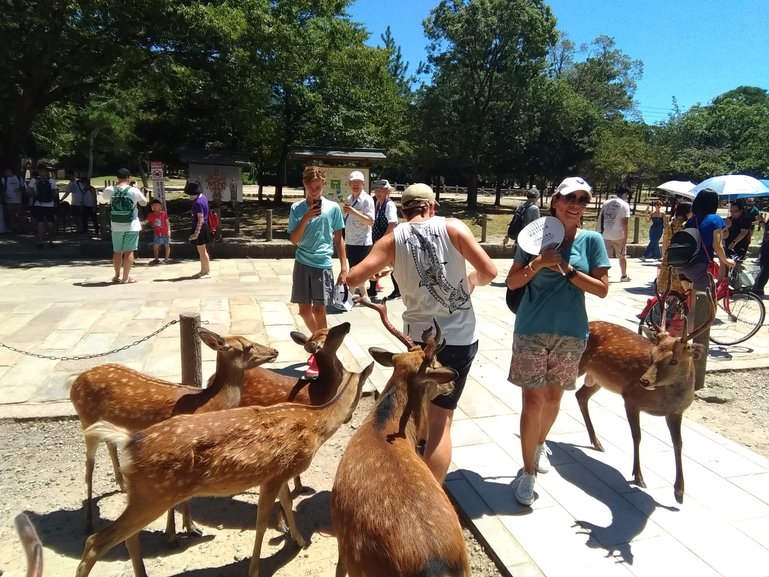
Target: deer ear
[(299, 338), (211, 339), (697, 350), (441, 374), (650, 334), (383, 357)]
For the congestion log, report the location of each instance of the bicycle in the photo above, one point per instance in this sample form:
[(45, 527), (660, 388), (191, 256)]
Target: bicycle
[(739, 313)]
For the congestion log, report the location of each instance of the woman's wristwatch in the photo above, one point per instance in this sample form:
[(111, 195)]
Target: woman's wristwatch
[(571, 274)]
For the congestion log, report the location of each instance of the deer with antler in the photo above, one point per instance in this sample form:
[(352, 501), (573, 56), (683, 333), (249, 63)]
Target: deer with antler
[(220, 453), (418, 532), (654, 375), (134, 401)]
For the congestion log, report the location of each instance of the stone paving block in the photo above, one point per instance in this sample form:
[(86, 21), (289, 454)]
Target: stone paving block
[(61, 340), (467, 432), (480, 403), (757, 529), (83, 319), (756, 485), (658, 556)]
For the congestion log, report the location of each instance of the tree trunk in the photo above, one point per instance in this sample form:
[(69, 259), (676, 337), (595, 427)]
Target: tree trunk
[(498, 194), (90, 153), (472, 190)]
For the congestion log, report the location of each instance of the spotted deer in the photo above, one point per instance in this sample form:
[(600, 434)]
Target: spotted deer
[(134, 401), (390, 515), (654, 375), (213, 454)]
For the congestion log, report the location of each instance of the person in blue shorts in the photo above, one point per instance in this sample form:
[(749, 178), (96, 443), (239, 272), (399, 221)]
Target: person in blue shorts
[(125, 224), (315, 227)]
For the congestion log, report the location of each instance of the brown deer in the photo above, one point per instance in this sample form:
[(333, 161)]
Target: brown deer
[(263, 387), (134, 401), (219, 453), (417, 531), (654, 375)]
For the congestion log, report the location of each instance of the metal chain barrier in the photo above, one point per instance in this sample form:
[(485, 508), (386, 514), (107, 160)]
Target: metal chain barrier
[(93, 356)]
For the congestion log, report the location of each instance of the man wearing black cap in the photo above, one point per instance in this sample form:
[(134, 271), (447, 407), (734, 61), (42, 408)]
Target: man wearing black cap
[(125, 224), (428, 255)]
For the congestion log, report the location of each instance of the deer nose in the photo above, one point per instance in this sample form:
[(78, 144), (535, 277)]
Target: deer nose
[(646, 384)]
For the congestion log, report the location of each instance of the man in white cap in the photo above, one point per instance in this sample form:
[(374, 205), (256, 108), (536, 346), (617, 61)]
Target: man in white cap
[(428, 254), (358, 217)]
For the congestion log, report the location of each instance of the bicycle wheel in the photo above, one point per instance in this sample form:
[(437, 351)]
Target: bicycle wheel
[(675, 311), (739, 315)]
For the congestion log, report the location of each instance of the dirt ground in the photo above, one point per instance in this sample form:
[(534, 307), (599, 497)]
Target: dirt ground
[(42, 474)]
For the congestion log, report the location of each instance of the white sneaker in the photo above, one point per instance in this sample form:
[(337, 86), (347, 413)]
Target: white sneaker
[(541, 460), (523, 488)]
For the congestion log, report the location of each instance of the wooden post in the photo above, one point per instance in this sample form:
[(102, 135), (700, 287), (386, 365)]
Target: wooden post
[(636, 230), (484, 222), (701, 314), (269, 225), (236, 210), (192, 362)]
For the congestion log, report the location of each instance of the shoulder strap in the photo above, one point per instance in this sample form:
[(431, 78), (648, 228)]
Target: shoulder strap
[(702, 242)]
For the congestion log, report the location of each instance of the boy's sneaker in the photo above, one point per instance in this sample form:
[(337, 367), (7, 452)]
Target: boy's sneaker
[(624, 279), (541, 460), (312, 371), (523, 488), (154, 261)]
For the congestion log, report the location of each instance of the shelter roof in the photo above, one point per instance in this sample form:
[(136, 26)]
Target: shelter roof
[(218, 157), (336, 154)]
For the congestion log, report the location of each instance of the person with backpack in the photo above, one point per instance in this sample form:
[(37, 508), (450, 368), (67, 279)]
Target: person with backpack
[(125, 224), (525, 213), (711, 229), (45, 196)]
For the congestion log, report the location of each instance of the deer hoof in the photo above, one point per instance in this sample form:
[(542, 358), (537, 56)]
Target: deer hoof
[(679, 494), (300, 542), (639, 482)]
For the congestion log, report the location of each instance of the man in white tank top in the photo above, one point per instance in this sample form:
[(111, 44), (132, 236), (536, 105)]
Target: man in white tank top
[(428, 254)]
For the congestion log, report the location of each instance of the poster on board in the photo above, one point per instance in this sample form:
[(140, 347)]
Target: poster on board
[(336, 181), (219, 183), (158, 182)]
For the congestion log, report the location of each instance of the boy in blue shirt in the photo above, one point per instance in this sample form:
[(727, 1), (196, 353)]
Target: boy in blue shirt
[(315, 227)]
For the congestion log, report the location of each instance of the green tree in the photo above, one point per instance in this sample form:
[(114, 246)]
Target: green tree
[(482, 55)]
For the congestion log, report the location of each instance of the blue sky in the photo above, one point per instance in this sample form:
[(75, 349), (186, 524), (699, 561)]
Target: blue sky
[(691, 49)]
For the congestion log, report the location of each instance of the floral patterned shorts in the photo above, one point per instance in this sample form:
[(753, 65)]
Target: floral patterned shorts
[(544, 359)]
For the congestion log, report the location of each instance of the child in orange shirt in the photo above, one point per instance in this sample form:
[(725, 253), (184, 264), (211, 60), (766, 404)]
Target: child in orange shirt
[(161, 231)]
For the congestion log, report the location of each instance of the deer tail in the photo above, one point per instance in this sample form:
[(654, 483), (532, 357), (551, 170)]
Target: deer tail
[(109, 433)]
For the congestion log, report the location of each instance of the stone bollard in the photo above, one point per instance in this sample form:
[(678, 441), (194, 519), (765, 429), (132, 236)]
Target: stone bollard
[(484, 223), (268, 232), (192, 361), (636, 230)]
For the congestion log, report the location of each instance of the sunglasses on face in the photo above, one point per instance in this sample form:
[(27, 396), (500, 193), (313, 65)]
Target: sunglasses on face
[(571, 198)]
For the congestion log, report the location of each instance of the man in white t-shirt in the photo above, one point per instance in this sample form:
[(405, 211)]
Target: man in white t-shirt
[(12, 188), (358, 217), (125, 224), (613, 224)]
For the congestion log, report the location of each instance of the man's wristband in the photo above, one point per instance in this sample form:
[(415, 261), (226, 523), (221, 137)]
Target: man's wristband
[(571, 274)]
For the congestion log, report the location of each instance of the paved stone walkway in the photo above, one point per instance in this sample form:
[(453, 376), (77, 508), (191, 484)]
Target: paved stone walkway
[(588, 520)]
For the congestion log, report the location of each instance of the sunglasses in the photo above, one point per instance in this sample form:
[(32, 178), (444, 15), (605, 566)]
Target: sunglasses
[(571, 198)]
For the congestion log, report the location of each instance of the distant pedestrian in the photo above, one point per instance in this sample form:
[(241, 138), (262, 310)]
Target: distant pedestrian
[(529, 212), (45, 198), (658, 221), (125, 224), (200, 235), (385, 220), (88, 211), (161, 231), (613, 224), (12, 189), (358, 218)]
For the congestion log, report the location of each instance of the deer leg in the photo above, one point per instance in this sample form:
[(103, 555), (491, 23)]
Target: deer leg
[(583, 396), (267, 494), (116, 466), (341, 571), (674, 425), (124, 528), (634, 419), (189, 525), (288, 511), (170, 535), (91, 444)]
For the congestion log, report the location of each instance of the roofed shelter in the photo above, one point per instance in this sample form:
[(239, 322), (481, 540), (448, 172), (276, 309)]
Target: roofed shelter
[(338, 162)]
